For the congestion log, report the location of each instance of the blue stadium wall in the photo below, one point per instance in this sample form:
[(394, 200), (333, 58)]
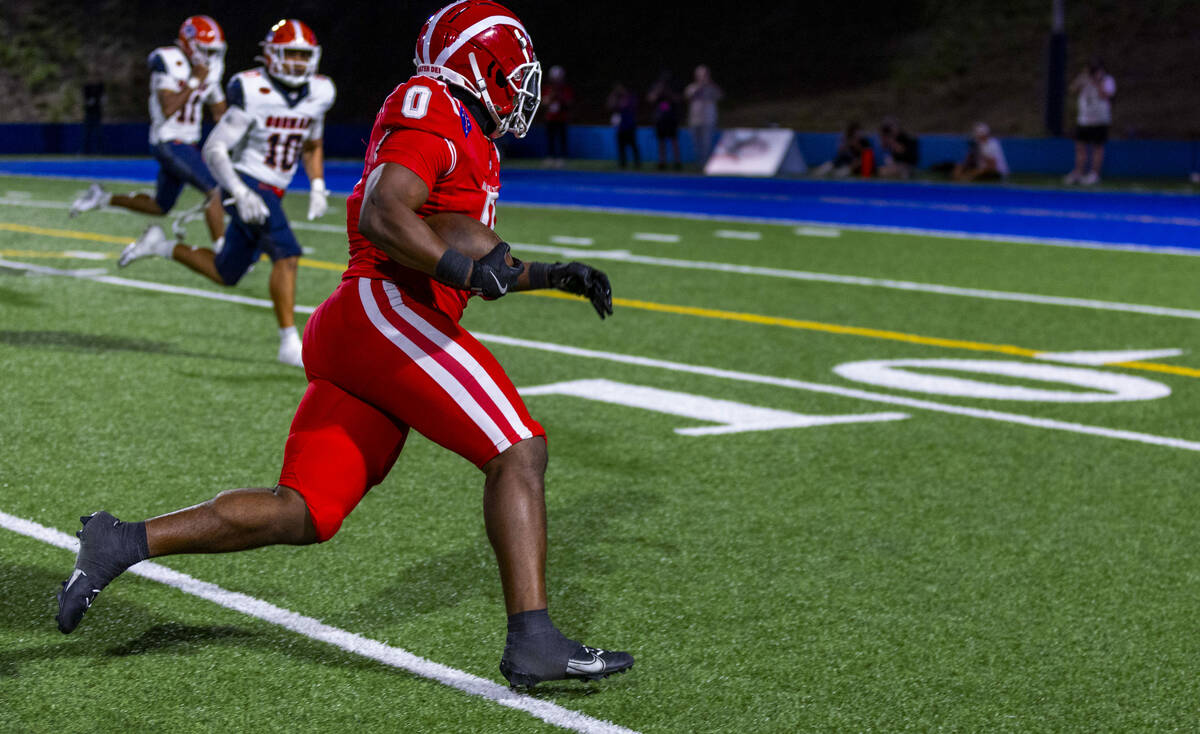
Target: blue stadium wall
[(1154, 158)]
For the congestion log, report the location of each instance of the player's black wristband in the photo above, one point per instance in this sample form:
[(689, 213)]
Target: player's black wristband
[(539, 275), (454, 268)]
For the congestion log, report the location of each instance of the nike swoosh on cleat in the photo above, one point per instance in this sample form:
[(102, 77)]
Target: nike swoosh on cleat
[(78, 572), (586, 667)]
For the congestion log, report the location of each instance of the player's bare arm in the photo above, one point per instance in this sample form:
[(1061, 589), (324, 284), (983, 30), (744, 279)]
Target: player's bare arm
[(388, 218), (217, 110)]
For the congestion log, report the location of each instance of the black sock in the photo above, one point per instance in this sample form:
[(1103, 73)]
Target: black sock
[(535, 646), (136, 542), (530, 622), (106, 555)]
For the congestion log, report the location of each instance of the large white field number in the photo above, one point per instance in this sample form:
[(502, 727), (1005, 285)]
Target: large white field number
[(1098, 386), (730, 416)]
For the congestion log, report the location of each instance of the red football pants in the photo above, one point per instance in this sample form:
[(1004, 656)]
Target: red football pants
[(379, 363)]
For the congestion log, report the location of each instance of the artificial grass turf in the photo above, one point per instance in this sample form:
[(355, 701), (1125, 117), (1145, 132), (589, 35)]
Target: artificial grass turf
[(936, 572)]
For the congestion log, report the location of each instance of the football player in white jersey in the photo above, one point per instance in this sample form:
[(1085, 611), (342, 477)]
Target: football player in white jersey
[(276, 119), (184, 78)]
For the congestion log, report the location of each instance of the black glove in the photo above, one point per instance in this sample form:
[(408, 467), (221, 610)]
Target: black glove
[(583, 280), (492, 277)]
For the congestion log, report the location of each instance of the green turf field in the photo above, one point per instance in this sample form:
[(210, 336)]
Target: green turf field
[(980, 565)]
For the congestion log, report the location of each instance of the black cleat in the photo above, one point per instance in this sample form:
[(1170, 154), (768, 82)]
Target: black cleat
[(586, 663), (104, 553)]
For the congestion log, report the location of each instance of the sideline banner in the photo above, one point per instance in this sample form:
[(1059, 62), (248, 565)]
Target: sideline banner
[(745, 151)]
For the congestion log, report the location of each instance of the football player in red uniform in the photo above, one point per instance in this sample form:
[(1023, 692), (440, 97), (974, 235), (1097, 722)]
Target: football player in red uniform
[(385, 353)]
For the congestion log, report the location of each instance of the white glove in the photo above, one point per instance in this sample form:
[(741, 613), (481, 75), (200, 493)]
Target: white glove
[(250, 206), (318, 199)]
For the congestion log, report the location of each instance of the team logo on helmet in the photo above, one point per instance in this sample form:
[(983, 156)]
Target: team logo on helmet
[(202, 40)]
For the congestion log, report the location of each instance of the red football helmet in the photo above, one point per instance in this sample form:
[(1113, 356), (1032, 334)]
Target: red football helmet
[(202, 40), (291, 52), (482, 47)]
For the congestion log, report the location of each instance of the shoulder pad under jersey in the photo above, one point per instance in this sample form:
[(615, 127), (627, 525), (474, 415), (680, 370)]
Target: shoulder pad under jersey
[(162, 58), (322, 89), (423, 103)]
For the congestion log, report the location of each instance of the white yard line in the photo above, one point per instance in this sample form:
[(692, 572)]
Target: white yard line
[(655, 237), (314, 227), (992, 415), (874, 397), (817, 232), (782, 221), (737, 234), (880, 229), (562, 239), (904, 285), (350, 642), (41, 204), (88, 255)]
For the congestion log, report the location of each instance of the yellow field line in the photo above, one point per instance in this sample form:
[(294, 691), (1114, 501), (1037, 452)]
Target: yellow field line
[(322, 265), (1169, 369), (42, 253), (707, 313), (68, 233), (899, 336)]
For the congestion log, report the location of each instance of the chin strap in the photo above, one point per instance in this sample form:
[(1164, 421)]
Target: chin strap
[(481, 85)]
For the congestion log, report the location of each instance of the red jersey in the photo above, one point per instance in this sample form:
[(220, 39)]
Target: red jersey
[(425, 129)]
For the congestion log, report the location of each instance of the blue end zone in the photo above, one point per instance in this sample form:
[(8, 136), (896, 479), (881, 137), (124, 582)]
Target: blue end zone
[(1155, 221)]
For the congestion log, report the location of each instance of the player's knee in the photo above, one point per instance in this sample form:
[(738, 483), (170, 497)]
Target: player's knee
[(525, 460), (229, 276), (324, 517), (295, 521)]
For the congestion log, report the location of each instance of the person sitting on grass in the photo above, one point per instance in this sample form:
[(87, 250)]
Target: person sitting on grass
[(849, 157), (985, 159), (900, 150)]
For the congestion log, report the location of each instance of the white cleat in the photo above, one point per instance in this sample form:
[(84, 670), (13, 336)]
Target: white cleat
[(94, 198), (1090, 179), (152, 242), (180, 222), (290, 351)]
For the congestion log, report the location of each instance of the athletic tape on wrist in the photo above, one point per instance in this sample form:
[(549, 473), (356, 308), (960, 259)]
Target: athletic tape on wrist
[(454, 268), (539, 275)]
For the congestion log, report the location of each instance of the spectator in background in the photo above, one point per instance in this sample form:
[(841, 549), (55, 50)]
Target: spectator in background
[(665, 101), (900, 150), (623, 104), (1095, 89), (702, 96), (985, 158), (557, 100), (849, 156)]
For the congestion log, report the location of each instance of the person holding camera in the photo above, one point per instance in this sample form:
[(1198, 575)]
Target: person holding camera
[(1095, 89)]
